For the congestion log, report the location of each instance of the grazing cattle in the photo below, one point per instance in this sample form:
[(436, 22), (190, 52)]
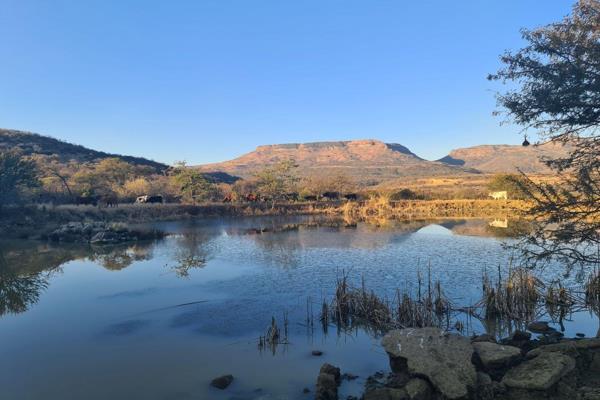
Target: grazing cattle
[(499, 195), (251, 197), (330, 196), (87, 201), (109, 201), (149, 199), (310, 198), (291, 196), (351, 196)]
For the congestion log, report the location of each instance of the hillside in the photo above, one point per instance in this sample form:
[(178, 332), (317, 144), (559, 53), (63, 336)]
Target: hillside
[(505, 158), (369, 162), (32, 143)]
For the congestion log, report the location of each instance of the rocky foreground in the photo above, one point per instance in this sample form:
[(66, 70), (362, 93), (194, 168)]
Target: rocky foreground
[(431, 364), (99, 233)]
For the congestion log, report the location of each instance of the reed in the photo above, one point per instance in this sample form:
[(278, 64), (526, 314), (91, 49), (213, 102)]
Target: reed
[(592, 291), (353, 306), (515, 297)]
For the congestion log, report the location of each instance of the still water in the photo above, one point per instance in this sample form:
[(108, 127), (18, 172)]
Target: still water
[(159, 320)]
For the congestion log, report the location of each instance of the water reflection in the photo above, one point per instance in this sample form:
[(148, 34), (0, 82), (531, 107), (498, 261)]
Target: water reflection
[(108, 312)]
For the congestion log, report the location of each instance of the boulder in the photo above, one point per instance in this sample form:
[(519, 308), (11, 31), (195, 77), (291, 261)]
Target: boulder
[(539, 373), (327, 383), (443, 359), (386, 394), (496, 356), (418, 389), (222, 382), (483, 338), (540, 327)]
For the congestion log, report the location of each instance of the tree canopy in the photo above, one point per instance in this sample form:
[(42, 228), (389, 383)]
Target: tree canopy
[(18, 175), (555, 82)]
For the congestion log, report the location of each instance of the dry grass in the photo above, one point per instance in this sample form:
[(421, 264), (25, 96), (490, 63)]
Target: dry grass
[(379, 208), (516, 297), (358, 306)]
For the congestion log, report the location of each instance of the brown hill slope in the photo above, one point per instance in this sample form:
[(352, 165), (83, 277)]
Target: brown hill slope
[(32, 143), (367, 161), (505, 158)]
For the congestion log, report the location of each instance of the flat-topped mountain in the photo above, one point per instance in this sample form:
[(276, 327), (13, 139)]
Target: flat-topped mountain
[(367, 161), (31, 143), (505, 158)]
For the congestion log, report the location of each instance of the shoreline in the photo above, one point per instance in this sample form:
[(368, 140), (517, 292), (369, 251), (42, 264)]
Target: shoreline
[(35, 222)]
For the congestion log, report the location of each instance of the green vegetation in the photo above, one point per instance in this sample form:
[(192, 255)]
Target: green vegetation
[(275, 182), (18, 177)]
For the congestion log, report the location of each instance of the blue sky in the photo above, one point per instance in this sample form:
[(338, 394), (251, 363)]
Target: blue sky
[(206, 81)]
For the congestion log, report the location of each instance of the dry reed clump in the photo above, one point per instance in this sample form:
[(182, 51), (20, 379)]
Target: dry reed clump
[(353, 306), (592, 291), (274, 336), (516, 297)]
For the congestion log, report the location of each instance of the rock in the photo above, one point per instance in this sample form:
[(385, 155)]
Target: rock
[(418, 389), (588, 393), (397, 379), (580, 335), (519, 339), (222, 382), (386, 394), (348, 376), (317, 353), (331, 370), (540, 373), (483, 338), (496, 356), (443, 358), (540, 327), (485, 388), (327, 382), (105, 237)]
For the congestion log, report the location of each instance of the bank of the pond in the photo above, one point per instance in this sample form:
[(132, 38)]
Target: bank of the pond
[(431, 364), (36, 222)]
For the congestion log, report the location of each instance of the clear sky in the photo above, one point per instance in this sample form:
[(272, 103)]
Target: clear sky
[(208, 80)]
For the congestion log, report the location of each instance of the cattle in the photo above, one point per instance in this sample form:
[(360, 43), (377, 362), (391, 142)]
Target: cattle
[(251, 197), (499, 223), (87, 200), (149, 199), (293, 196), (351, 196), (499, 195), (109, 201), (310, 198), (330, 196), (228, 198)]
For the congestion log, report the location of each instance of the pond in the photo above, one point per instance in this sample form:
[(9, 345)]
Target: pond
[(159, 320)]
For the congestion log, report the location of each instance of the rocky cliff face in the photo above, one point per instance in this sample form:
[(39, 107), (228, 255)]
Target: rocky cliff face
[(367, 161)]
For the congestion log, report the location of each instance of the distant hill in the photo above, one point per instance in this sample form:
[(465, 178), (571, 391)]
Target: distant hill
[(369, 162), (505, 158), (32, 143)]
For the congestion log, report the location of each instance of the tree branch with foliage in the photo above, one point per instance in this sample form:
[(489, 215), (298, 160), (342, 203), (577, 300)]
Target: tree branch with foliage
[(556, 79)]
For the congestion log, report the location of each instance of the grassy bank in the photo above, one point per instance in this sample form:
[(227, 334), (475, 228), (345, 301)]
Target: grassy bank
[(380, 207), (35, 221)]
